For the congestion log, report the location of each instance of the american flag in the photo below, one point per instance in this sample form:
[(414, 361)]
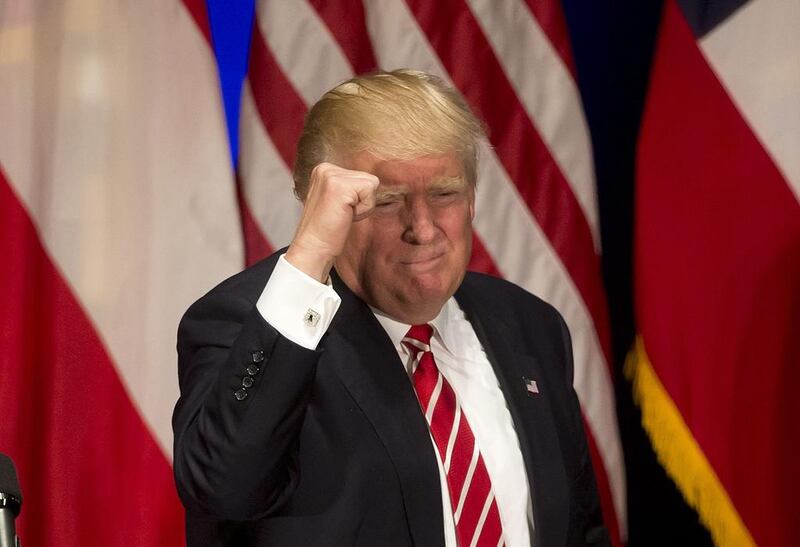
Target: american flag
[(118, 207)]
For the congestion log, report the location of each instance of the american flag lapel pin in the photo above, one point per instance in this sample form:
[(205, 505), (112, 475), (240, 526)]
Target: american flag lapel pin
[(531, 386)]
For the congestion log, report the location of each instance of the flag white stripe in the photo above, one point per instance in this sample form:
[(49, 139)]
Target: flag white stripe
[(548, 93), (303, 46), (266, 180), (766, 94), (397, 40)]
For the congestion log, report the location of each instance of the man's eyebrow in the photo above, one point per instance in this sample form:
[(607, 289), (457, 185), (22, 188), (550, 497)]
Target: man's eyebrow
[(385, 193), (390, 192), (448, 183)]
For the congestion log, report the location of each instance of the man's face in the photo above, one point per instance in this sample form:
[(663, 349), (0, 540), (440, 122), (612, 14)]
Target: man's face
[(410, 255)]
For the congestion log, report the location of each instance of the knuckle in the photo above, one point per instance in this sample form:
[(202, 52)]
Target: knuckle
[(321, 169)]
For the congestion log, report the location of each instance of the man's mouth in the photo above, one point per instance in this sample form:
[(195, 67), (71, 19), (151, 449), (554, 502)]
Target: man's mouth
[(422, 261)]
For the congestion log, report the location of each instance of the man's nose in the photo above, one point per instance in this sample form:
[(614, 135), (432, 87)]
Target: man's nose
[(421, 224)]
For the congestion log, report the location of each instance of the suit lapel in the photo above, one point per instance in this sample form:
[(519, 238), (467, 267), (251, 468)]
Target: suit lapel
[(367, 363), (532, 416)]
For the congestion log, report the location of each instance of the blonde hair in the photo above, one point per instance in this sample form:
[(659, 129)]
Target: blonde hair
[(398, 115)]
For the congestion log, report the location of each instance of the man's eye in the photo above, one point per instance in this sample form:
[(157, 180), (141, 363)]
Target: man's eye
[(387, 204)]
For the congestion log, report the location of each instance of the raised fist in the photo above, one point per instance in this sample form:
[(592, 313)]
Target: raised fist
[(336, 198)]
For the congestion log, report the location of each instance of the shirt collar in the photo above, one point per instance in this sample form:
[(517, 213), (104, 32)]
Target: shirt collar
[(443, 326)]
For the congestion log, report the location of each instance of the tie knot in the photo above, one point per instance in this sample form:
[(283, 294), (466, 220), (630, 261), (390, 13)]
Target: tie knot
[(418, 338)]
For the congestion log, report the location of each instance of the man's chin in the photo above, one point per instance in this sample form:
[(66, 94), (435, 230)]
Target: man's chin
[(427, 293)]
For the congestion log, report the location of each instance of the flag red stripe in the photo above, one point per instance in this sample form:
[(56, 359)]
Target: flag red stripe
[(80, 446), (197, 9), (256, 245), (279, 106), (480, 260), (717, 267), (345, 19), (464, 50), (603, 488), (550, 16)]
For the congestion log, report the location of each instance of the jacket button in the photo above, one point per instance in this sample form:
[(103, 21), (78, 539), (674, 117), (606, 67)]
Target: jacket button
[(258, 356), (252, 370), (240, 394), (247, 381)]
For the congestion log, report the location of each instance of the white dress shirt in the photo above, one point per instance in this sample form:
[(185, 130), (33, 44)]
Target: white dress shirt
[(301, 309)]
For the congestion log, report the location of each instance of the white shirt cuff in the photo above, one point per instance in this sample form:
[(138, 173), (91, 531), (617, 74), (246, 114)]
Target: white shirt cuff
[(297, 305)]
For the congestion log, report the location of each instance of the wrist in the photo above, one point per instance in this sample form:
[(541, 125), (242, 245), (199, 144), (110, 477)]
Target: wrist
[(312, 263)]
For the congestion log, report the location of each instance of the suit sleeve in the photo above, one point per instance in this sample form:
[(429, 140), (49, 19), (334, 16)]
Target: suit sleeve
[(586, 518), (244, 391)]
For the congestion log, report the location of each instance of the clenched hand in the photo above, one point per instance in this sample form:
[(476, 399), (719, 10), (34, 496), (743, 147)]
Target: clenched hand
[(337, 198)]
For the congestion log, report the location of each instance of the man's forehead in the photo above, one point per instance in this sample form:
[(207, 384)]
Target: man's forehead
[(449, 163)]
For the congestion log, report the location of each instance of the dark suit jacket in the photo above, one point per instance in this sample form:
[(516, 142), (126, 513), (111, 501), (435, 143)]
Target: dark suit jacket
[(329, 447)]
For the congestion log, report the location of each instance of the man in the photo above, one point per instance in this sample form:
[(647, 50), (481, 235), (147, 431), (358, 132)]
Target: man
[(360, 388)]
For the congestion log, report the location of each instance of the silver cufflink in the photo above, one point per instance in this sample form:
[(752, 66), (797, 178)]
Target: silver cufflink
[(311, 318)]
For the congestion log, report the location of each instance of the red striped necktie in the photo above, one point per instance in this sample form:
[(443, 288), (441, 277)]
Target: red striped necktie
[(475, 511)]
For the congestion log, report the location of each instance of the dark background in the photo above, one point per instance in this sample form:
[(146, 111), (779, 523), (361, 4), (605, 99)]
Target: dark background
[(612, 43)]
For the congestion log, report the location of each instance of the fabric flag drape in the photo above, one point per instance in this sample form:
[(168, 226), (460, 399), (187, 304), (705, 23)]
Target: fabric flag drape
[(117, 210), (536, 222), (717, 264)]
